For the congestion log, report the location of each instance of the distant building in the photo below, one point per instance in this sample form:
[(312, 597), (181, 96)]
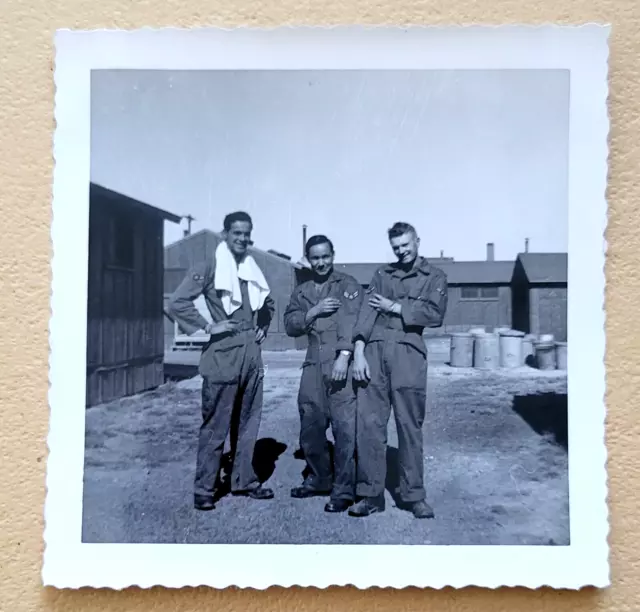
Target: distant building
[(529, 294), (278, 269), (540, 294), (124, 296)]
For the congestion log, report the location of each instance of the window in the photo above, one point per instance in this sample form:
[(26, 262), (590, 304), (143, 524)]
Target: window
[(479, 293), (121, 238)]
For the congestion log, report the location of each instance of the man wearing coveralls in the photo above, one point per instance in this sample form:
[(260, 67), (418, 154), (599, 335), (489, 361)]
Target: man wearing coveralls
[(325, 309), (390, 364), (237, 297)]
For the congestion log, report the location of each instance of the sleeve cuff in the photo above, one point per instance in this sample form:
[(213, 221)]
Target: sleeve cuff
[(345, 346)]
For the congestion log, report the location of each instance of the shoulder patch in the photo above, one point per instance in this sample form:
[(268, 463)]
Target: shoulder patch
[(351, 296), (371, 289), (197, 277)]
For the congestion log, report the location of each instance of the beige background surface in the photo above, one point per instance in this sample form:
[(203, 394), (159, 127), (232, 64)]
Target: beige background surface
[(26, 124)]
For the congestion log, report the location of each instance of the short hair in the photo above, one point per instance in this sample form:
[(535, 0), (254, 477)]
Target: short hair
[(233, 217), (399, 228), (315, 241)]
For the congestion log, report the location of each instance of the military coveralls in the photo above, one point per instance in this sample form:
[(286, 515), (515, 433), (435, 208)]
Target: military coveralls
[(232, 372), (397, 358), (322, 401)]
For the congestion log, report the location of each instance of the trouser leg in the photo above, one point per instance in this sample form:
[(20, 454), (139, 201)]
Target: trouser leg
[(313, 428), (246, 421), (217, 405), (408, 378), (372, 415), (342, 415)]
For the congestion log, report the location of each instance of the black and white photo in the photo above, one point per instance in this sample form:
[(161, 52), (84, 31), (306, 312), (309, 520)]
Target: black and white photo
[(334, 295)]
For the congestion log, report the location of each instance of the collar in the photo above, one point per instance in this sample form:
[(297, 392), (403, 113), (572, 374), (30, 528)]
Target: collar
[(334, 277), (420, 265)]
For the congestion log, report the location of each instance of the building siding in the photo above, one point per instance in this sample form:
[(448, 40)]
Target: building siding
[(549, 311), (463, 314), (124, 304)]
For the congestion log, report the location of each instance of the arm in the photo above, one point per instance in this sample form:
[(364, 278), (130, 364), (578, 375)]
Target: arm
[(367, 315), (351, 304), (181, 307), (265, 314), (430, 307), (296, 322)]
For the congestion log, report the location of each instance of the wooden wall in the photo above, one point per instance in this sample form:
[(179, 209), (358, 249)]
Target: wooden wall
[(548, 311), (124, 310)]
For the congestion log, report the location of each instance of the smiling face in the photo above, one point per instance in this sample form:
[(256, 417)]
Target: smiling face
[(238, 238), (405, 247), (321, 258)]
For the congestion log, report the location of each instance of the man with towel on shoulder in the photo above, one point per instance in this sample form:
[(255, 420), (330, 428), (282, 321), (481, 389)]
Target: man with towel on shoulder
[(237, 297)]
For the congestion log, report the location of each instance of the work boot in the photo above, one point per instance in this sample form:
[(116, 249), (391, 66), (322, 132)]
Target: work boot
[(305, 491), (338, 505), (203, 502), (422, 510), (367, 506), (258, 492)]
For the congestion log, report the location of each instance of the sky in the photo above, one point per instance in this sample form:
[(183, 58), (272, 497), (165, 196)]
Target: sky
[(467, 157)]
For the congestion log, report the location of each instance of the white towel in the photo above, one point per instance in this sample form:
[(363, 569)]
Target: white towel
[(227, 279)]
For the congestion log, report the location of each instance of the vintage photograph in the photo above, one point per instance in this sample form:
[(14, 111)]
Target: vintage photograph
[(280, 261), (333, 306)]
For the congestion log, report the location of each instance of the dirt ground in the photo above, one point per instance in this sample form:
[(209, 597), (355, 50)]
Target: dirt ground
[(495, 467)]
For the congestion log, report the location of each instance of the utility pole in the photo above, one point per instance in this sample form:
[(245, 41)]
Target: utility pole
[(189, 219), (304, 239)]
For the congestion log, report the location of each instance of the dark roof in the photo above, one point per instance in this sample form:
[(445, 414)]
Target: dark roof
[(103, 192), (458, 272), (545, 267), (281, 257)]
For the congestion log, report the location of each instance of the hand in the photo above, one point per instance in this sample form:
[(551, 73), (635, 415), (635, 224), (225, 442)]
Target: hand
[(261, 335), (224, 327), (361, 370), (327, 306), (381, 304), (340, 367)]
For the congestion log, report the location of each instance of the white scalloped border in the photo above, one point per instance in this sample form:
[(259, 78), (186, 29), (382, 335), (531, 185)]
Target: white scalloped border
[(95, 569)]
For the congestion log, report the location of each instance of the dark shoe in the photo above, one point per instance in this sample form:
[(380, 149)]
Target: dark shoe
[(422, 510), (203, 502), (367, 506), (338, 505), (305, 491), (257, 493)]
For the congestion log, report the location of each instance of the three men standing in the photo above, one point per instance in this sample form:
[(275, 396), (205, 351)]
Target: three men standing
[(237, 297), (372, 343), (324, 309)]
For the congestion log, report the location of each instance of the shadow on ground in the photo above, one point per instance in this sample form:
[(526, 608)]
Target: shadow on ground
[(265, 455), (546, 414)]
